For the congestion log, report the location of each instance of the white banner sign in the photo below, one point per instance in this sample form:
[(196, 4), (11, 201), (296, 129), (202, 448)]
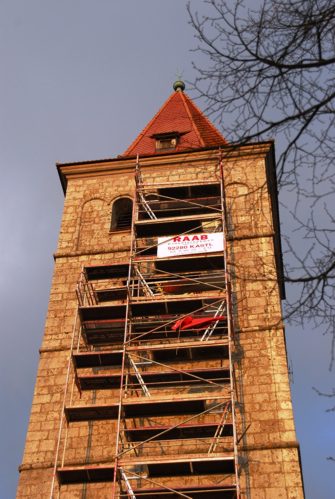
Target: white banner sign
[(189, 244)]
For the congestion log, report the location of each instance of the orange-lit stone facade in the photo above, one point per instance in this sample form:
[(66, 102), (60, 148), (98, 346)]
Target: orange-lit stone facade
[(268, 453)]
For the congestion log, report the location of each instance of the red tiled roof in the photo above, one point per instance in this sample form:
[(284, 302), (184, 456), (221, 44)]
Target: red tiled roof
[(181, 116)]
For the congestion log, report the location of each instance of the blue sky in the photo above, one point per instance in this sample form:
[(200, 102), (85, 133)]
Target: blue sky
[(79, 80)]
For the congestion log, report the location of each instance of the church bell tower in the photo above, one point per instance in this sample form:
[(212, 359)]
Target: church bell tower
[(163, 370)]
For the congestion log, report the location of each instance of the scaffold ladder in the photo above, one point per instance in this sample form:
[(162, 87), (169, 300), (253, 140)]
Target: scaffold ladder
[(146, 206), (148, 291), (85, 292), (219, 428), (140, 191), (209, 331), (130, 492), (139, 377)]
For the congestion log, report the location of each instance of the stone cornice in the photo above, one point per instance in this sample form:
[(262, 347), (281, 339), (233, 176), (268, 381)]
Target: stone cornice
[(126, 165)]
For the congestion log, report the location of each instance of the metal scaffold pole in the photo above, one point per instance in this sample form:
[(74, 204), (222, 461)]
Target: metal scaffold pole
[(127, 335), (230, 319)]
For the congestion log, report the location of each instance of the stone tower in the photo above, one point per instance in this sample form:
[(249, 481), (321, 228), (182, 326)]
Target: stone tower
[(163, 369)]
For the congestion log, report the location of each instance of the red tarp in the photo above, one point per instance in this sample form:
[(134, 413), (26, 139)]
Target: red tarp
[(190, 322)]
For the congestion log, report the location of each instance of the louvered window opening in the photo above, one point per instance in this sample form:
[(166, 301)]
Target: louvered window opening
[(124, 221)]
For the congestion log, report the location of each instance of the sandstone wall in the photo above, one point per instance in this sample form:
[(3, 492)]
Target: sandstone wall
[(269, 461)]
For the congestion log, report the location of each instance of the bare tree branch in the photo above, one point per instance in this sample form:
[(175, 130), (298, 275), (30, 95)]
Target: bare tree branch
[(270, 72)]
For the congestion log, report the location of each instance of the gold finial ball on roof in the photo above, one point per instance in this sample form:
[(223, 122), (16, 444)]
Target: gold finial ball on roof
[(179, 86)]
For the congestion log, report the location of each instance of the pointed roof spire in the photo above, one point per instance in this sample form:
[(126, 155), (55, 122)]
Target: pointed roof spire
[(179, 121)]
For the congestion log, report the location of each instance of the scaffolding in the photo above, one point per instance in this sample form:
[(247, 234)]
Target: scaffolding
[(157, 332)]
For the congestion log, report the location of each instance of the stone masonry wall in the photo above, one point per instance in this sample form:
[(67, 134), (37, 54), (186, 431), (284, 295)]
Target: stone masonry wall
[(269, 453)]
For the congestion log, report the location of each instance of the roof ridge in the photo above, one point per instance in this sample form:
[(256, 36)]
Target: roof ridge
[(186, 100), (202, 114)]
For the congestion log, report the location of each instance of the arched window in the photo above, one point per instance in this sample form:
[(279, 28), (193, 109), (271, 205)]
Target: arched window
[(121, 214)]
